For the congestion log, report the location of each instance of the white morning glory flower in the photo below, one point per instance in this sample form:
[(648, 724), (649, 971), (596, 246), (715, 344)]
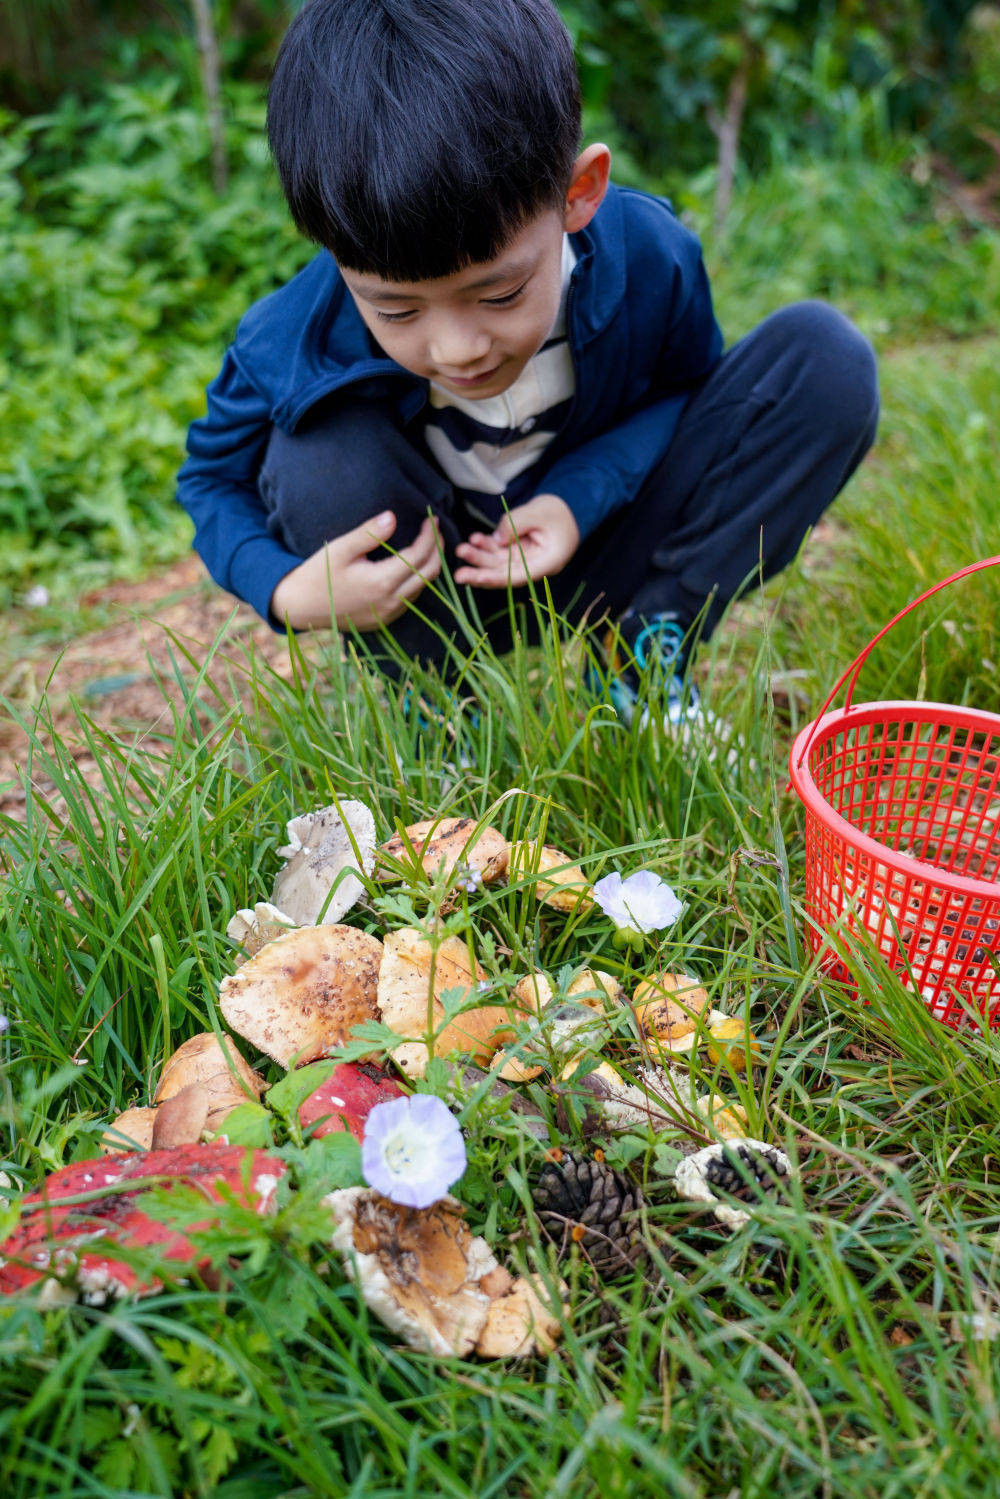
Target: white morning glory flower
[(642, 903), (412, 1150)]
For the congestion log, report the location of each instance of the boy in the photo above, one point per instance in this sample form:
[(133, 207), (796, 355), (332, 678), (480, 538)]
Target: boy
[(499, 356)]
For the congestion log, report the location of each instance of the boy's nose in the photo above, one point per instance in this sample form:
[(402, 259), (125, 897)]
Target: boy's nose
[(454, 347)]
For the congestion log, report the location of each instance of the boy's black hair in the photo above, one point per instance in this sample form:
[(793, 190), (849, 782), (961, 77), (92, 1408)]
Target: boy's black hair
[(415, 137)]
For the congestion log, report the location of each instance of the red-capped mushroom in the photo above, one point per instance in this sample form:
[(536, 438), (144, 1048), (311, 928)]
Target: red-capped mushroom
[(71, 1227), (346, 1099)]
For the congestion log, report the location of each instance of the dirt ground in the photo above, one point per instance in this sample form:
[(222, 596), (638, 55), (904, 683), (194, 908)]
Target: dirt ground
[(121, 673)]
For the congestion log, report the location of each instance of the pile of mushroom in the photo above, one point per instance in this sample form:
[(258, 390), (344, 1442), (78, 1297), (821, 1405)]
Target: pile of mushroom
[(305, 985)]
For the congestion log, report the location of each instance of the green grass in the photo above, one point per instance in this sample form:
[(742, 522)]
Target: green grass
[(826, 1350)]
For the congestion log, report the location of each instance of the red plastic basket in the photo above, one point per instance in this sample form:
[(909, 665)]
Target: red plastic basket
[(902, 805)]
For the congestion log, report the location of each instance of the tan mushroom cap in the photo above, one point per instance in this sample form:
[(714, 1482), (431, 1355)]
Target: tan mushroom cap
[(137, 1127), (181, 1118), (321, 847), (298, 999), (668, 1007), (531, 994), (411, 972), (215, 1063), (442, 842), (725, 1118), (429, 1280), (558, 881), (592, 986), (725, 1035)]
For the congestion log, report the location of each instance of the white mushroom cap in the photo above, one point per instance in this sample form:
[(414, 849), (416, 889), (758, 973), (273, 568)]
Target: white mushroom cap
[(299, 998), (321, 845)]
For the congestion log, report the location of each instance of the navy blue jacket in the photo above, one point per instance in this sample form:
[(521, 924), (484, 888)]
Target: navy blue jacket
[(641, 330)]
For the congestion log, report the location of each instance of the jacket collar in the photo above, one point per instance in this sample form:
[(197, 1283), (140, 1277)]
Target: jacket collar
[(598, 280)]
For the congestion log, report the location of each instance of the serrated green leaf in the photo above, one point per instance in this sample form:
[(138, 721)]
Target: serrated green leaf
[(286, 1096), (248, 1124)]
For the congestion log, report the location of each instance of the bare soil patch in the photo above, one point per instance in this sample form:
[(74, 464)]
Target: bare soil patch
[(124, 674)]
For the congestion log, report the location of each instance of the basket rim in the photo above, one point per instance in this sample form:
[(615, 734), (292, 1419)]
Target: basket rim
[(895, 710)]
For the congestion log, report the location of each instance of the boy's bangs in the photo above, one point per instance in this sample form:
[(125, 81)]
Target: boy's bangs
[(406, 241), (415, 137)]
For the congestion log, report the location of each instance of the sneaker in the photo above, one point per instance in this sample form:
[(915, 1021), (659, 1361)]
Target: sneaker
[(653, 647)]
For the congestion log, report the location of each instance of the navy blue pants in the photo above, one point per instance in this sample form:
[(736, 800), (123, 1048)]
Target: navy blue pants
[(764, 445)]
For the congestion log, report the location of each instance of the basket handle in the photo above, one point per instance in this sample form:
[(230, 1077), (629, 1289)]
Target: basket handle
[(854, 669)]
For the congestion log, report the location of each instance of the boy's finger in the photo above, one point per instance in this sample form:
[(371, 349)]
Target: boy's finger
[(366, 537), (511, 570), (421, 555)]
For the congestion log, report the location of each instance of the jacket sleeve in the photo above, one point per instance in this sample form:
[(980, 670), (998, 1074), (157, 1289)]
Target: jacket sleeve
[(607, 472), (218, 488)]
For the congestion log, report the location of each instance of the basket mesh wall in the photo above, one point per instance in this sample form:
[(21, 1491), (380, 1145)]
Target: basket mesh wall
[(924, 788)]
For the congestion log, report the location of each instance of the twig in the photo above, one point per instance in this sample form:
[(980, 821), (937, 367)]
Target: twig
[(208, 54)]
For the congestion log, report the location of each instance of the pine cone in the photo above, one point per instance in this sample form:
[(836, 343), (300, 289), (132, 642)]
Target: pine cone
[(745, 1173), (584, 1201)]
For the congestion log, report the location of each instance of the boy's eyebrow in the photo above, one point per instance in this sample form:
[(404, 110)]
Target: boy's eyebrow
[(511, 272)]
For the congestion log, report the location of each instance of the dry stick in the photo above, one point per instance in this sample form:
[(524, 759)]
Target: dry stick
[(208, 56)]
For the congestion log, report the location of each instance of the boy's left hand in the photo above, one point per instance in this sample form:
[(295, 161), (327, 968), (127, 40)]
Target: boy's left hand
[(534, 540)]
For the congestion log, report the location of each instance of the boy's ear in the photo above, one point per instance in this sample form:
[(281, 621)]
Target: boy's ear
[(587, 187)]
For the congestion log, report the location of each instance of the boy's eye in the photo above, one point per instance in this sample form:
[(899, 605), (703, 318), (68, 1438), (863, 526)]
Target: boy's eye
[(505, 301), (395, 317)]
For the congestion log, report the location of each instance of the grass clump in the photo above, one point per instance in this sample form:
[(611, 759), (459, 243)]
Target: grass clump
[(830, 1348)]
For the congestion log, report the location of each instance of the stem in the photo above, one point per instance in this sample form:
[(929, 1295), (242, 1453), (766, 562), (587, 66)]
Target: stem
[(208, 56), (726, 130)]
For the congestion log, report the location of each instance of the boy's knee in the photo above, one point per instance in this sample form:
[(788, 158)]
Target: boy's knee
[(835, 370), (340, 469)]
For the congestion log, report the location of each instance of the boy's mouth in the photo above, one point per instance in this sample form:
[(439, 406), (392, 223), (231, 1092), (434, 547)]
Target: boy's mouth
[(470, 382)]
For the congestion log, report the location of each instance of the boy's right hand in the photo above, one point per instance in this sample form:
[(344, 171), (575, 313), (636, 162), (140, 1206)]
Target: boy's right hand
[(339, 585)]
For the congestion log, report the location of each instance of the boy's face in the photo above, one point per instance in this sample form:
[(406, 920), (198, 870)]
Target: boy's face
[(474, 332)]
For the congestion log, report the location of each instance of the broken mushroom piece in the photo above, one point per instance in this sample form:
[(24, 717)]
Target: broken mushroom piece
[(428, 1279), (441, 843), (132, 1130), (413, 977), (255, 926), (557, 880), (299, 998), (213, 1063), (182, 1118), (321, 847), (740, 1168), (70, 1228), (531, 994), (653, 1101), (518, 1322)]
